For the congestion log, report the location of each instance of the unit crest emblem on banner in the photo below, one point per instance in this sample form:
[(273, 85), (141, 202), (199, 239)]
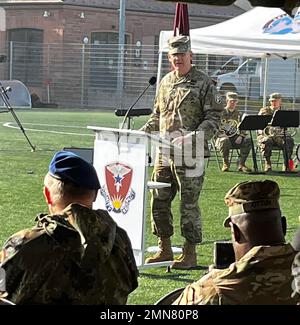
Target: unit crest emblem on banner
[(117, 192)]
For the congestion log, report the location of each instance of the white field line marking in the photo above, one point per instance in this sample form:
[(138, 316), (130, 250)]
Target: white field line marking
[(10, 125)]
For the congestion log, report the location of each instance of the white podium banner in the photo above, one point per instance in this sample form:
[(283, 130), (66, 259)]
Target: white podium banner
[(121, 171)]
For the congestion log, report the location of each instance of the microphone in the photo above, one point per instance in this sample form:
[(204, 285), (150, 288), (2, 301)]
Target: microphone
[(4, 91), (134, 112), (151, 82)]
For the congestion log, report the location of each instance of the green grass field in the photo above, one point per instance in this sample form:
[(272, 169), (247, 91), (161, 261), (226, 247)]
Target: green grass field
[(21, 183)]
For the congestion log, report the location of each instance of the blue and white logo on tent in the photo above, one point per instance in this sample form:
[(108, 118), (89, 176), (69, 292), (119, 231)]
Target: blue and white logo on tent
[(283, 24)]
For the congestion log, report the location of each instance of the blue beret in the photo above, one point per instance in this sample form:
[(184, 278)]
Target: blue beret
[(68, 167)]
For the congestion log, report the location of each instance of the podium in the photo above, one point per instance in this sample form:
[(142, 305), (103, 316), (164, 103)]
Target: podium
[(121, 162), (285, 119), (250, 123)]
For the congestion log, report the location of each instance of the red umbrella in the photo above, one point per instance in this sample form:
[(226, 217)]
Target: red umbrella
[(181, 20)]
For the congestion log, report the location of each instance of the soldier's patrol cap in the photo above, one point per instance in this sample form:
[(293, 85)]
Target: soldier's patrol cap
[(179, 44), (232, 96), (275, 96), (251, 196), (69, 167)]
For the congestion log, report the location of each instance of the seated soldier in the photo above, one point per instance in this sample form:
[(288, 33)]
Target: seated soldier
[(261, 273), (229, 137), (273, 135), (74, 255)]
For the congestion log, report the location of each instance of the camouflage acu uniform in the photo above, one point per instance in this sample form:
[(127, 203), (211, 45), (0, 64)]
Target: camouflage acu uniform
[(266, 142), (296, 275), (78, 257), (262, 276), (225, 143), (187, 103)]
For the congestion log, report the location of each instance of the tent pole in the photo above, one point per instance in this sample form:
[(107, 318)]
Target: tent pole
[(265, 81), (295, 84), (247, 88)]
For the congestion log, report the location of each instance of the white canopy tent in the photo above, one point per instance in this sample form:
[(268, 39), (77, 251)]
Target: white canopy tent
[(260, 32)]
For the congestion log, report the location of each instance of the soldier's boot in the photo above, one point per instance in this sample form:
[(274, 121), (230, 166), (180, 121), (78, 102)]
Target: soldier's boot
[(188, 258), (243, 168), (225, 167), (165, 252), (268, 165)]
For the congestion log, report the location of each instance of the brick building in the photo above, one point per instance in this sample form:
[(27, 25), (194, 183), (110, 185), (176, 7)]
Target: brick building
[(43, 41)]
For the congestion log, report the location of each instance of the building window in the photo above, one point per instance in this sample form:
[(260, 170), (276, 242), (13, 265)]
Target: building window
[(27, 54), (104, 59)]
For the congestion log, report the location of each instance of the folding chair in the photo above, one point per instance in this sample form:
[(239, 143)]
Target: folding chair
[(277, 153), (234, 154)]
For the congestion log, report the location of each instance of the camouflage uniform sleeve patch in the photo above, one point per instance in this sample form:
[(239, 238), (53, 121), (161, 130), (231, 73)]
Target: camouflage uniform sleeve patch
[(218, 99), (213, 108)]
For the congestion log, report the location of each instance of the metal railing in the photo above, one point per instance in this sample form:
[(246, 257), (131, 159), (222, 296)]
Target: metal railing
[(87, 75)]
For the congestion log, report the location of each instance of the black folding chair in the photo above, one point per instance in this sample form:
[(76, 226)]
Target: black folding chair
[(234, 154)]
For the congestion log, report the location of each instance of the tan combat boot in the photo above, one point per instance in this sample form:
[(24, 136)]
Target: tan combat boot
[(188, 258), (225, 167), (243, 168), (165, 252), (268, 165)]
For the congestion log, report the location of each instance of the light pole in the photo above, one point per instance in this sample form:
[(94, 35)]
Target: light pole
[(121, 50), (84, 43)]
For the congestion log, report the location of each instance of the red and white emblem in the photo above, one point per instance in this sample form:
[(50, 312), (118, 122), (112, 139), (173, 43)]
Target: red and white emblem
[(117, 192)]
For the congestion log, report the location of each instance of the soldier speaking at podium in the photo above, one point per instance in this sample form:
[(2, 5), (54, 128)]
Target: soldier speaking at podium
[(187, 102)]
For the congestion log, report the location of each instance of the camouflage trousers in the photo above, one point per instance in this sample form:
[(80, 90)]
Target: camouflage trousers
[(266, 144), (189, 189), (224, 144)]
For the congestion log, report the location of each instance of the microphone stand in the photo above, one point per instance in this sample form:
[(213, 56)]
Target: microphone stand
[(285, 153), (130, 108), (5, 99)]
